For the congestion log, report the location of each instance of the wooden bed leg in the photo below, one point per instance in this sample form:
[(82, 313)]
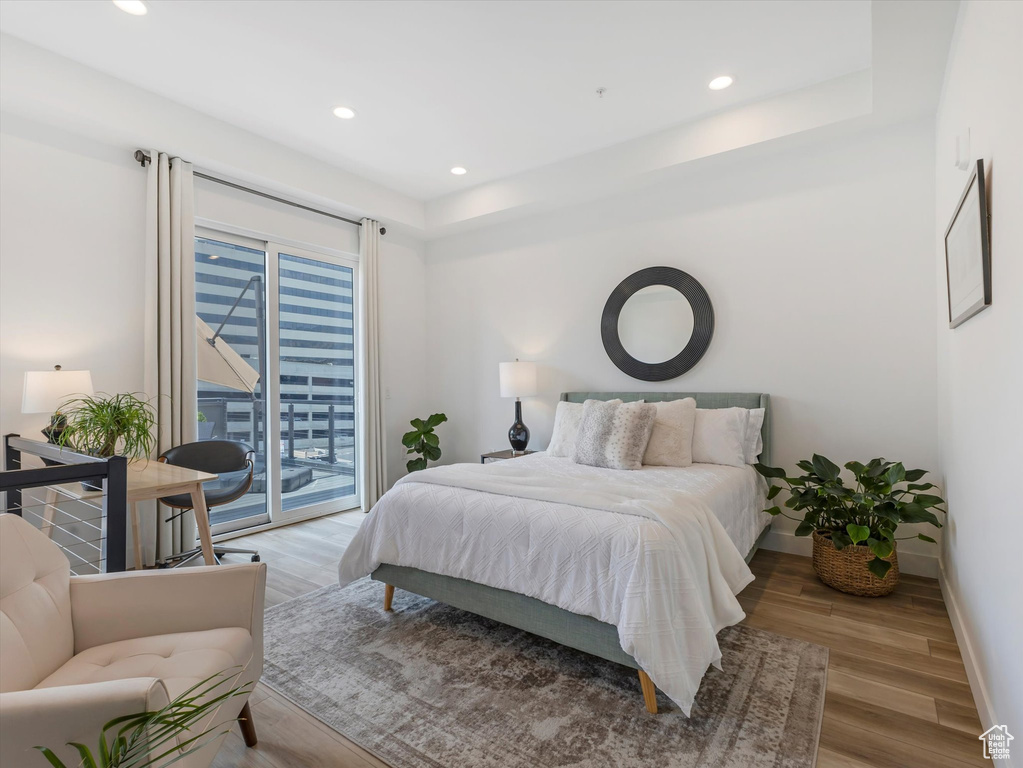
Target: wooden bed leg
[(388, 596), (649, 692)]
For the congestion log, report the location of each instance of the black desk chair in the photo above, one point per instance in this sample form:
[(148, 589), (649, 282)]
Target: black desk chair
[(227, 458)]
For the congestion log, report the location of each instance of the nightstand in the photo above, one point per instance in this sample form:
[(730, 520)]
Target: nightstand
[(501, 455)]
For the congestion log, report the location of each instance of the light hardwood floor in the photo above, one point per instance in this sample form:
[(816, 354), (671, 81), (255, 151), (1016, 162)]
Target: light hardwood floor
[(897, 694)]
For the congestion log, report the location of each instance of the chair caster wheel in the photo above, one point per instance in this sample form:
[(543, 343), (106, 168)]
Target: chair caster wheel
[(255, 558)]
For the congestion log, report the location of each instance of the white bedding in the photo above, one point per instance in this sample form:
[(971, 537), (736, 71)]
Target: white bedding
[(663, 566)]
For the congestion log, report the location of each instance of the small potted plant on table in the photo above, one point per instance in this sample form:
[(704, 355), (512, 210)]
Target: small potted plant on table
[(853, 527), (105, 425)]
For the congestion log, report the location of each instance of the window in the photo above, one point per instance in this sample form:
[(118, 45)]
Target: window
[(289, 314), (317, 377)]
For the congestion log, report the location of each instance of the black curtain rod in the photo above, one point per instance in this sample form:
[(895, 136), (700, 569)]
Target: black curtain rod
[(143, 158)]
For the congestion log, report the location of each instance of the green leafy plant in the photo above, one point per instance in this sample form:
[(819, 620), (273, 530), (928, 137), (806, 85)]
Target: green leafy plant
[(423, 440), (201, 417), (867, 514), (144, 739), (104, 424)]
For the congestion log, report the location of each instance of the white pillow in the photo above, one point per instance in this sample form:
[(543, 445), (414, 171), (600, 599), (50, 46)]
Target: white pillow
[(671, 442), (567, 419), (754, 443), (720, 436), (614, 434)]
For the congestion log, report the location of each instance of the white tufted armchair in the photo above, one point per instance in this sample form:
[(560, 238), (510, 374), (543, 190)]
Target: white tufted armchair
[(78, 651)]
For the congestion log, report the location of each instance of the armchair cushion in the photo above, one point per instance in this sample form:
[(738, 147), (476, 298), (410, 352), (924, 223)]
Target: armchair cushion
[(35, 605), (179, 660)]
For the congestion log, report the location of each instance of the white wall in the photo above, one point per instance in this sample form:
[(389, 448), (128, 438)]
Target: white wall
[(980, 363), (72, 238), (403, 351), (817, 261)]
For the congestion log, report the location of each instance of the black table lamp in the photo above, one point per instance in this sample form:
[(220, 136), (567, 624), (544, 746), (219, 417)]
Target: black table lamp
[(518, 380)]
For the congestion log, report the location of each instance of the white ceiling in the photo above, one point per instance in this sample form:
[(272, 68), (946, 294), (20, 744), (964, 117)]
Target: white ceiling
[(498, 87)]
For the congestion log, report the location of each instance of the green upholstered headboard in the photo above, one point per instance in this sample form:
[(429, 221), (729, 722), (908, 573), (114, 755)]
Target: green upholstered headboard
[(703, 400)]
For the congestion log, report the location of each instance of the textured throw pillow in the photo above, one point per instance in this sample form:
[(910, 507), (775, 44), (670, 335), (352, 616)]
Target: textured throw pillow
[(614, 434), (754, 443), (671, 441), (567, 419), (720, 436)]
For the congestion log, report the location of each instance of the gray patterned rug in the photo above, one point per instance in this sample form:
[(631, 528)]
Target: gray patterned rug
[(429, 686)]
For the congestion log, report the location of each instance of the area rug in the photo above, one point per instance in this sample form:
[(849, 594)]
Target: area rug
[(430, 686)]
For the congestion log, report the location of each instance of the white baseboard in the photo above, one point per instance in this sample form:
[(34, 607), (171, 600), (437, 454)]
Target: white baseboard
[(964, 638), (909, 562)]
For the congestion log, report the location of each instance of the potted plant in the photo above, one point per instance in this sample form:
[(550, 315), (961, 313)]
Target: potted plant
[(854, 526), (105, 425), (151, 739), (424, 441), (205, 427)]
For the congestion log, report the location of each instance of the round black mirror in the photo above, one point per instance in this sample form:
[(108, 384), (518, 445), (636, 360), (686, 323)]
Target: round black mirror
[(657, 323)]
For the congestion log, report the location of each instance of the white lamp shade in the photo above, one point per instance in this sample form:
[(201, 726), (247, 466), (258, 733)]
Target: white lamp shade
[(518, 379), (45, 391)]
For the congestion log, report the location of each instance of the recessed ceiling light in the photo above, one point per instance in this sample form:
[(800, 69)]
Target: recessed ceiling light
[(459, 171), (720, 83), (134, 7), (345, 113)]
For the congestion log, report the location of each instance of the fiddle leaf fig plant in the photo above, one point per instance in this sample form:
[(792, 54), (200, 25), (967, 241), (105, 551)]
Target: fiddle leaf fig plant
[(866, 514), (422, 440)]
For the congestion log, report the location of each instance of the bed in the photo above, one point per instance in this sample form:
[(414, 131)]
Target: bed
[(577, 587)]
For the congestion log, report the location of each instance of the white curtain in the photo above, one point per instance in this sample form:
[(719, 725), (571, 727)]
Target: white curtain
[(170, 335), (372, 466)]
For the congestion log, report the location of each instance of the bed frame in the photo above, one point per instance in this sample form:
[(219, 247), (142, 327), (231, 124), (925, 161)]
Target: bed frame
[(584, 633)]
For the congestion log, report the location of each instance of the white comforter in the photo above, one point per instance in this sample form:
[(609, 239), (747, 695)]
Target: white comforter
[(642, 550)]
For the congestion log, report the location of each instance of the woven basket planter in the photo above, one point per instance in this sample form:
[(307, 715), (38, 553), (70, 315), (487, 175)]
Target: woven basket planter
[(846, 569)]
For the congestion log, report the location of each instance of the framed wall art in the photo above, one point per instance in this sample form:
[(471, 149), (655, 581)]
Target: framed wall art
[(968, 253)]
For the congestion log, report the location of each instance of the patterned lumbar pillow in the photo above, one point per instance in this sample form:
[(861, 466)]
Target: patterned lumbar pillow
[(567, 419), (614, 434), (671, 442)]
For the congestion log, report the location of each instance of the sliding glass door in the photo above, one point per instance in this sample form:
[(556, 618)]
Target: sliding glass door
[(287, 315), (315, 314), (230, 299)]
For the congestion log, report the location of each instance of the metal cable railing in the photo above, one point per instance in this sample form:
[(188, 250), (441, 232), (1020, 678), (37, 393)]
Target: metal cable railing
[(78, 501)]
